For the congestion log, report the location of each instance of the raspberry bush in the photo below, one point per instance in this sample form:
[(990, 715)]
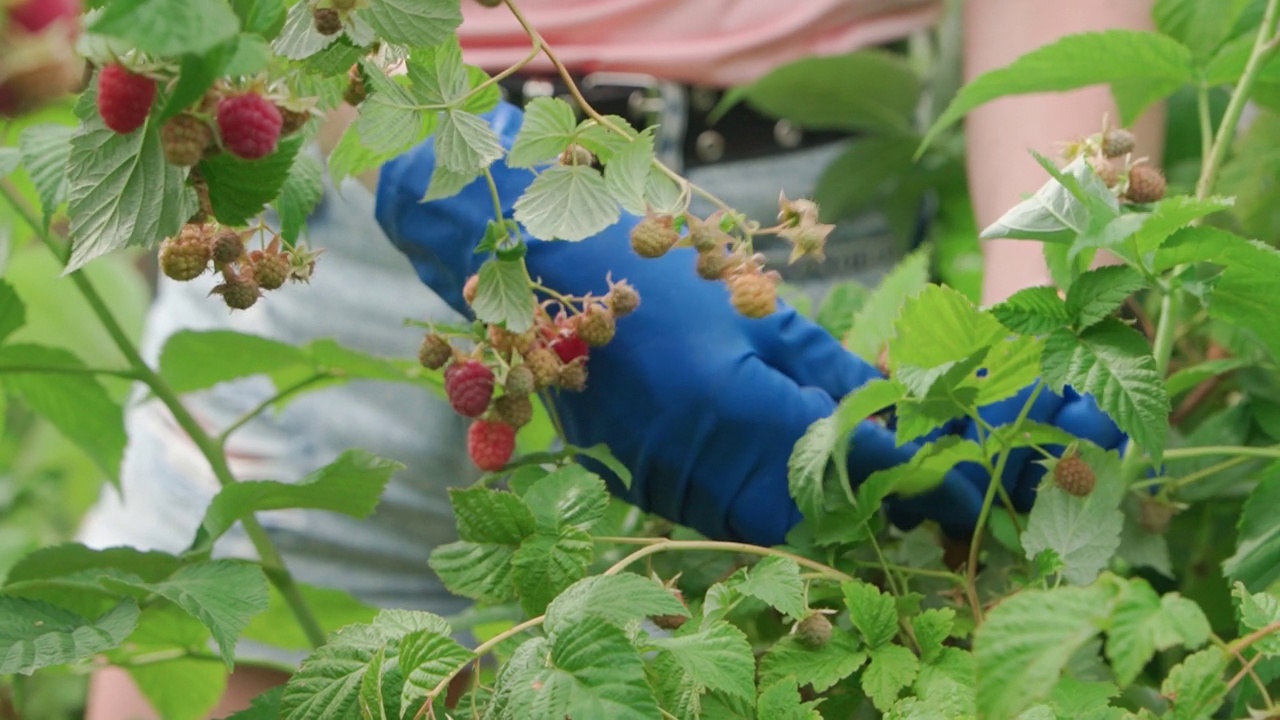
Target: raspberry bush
[(1141, 585)]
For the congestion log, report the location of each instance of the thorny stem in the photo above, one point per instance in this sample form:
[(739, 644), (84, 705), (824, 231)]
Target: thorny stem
[(480, 650), (272, 563)]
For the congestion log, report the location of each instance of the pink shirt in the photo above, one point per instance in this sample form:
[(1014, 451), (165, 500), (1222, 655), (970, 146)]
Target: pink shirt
[(710, 42)]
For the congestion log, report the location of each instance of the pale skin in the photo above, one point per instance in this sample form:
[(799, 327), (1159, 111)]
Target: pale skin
[(1001, 173)]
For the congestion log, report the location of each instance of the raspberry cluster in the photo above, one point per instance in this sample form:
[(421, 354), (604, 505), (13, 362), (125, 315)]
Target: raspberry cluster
[(245, 273), (38, 61), (1110, 154), (552, 354)]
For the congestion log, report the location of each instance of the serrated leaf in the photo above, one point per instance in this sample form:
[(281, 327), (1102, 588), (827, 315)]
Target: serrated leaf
[(503, 295), (618, 599), (1055, 214), (872, 612), (1112, 362), (547, 129), (1140, 67), (35, 634), (71, 558), (481, 571), (873, 325), (76, 404), (1096, 294), (466, 143), (446, 183), (45, 152), (370, 699), (265, 706), (352, 484), (627, 173), (546, 563), (1009, 367), (168, 27), (776, 582), (1256, 561), (932, 628), (594, 672), (411, 22), (1033, 311), (350, 157), (301, 192), (390, 120), (183, 689), (197, 359), (426, 658), (120, 191), (1144, 623), (264, 17), (935, 330), (892, 668), (1257, 611), (1196, 685), (1083, 531), (1199, 26), (1027, 640), (571, 496), (782, 701), (718, 656), (567, 202), (240, 189), (880, 92), (1171, 215), (327, 685), (821, 667), (486, 515), (299, 39)]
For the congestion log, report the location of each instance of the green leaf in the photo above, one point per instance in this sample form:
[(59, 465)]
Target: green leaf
[(1096, 294), (327, 685), (77, 405), (491, 516), (1196, 685), (197, 359), (264, 17), (298, 38), (776, 582), (1257, 611), (45, 151), (567, 202), (492, 525), (35, 634), (183, 689), (547, 563), (465, 143), (603, 455), (932, 628), (1033, 311), (503, 295), (352, 484), (1056, 214), (936, 330), (718, 657), (1189, 377), (548, 127), (1140, 67), (1084, 699), (301, 192), (240, 189), (1011, 366), (1083, 531), (73, 558), (1027, 640), (820, 667), (412, 23), (222, 594), (571, 496), (371, 699), (1256, 561), (168, 27), (872, 612), (426, 659), (878, 91), (350, 157), (873, 325), (862, 174), (446, 183), (1171, 215), (1201, 27), (390, 122), (13, 314), (10, 160), (278, 627), (265, 706), (593, 672), (891, 669), (481, 571), (627, 173), (1112, 362), (617, 599), (782, 701), (1144, 623), (120, 190)]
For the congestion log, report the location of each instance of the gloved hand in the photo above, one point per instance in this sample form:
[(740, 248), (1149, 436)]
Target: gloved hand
[(702, 404)]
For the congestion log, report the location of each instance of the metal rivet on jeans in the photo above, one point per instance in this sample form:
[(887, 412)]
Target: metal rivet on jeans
[(787, 134), (702, 99), (709, 146)]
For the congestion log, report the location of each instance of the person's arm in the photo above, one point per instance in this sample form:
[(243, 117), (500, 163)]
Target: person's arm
[(999, 134)]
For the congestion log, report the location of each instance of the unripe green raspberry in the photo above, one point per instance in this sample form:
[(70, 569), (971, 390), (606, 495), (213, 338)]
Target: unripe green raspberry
[(514, 410), (228, 247), (520, 381), (814, 631), (1146, 184), (654, 236), (573, 376), (270, 269), (435, 351), (1074, 475), (622, 299), (596, 325), (545, 365), (753, 293), (186, 255), (1117, 142), (184, 138)]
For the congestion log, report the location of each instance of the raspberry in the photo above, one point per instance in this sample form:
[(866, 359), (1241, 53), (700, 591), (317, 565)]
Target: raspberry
[(545, 366), (434, 352), (654, 236), (328, 21), (227, 247), (124, 99), (291, 121), (270, 269), (671, 622), (1117, 142), (814, 631), (184, 138), (36, 15), (356, 90), (469, 289), (1105, 172), (520, 381), (753, 293), (622, 299), (575, 154), (596, 325), (715, 264), (706, 236), (490, 444), (1146, 184), (239, 293), (514, 410), (573, 376), (1154, 515), (469, 385), (523, 342), (1074, 475), (186, 255), (570, 347), (250, 125), (501, 339)]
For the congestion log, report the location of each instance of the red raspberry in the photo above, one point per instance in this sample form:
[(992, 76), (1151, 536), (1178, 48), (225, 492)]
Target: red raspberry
[(250, 125), (1074, 475), (469, 385), (270, 269), (36, 15), (490, 444), (184, 138), (124, 99), (435, 351), (596, 325), (753, 293), (186, 255), (654, 236), (570, 347)]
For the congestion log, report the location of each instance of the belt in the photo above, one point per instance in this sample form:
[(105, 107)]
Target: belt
[(741, 133)]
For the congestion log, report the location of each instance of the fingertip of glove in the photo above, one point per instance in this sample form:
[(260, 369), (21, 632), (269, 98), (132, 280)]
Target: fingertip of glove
[(1083, 418)]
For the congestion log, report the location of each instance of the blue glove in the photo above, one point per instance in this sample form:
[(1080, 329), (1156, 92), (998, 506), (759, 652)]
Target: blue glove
[(702, 404)]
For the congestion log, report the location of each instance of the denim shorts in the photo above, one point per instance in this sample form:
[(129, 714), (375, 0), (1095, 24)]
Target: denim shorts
[(360, 295)]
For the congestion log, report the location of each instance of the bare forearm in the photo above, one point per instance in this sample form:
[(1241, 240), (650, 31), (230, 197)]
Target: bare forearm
[(999, 134)]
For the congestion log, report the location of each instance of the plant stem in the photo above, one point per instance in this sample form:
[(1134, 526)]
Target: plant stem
[(262, 406), (923, 572), (480, 650), (55, 370), (1240, 644), (1246, 668), (1272, 452), (664, 545), (272, 563), (1190, 478)]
